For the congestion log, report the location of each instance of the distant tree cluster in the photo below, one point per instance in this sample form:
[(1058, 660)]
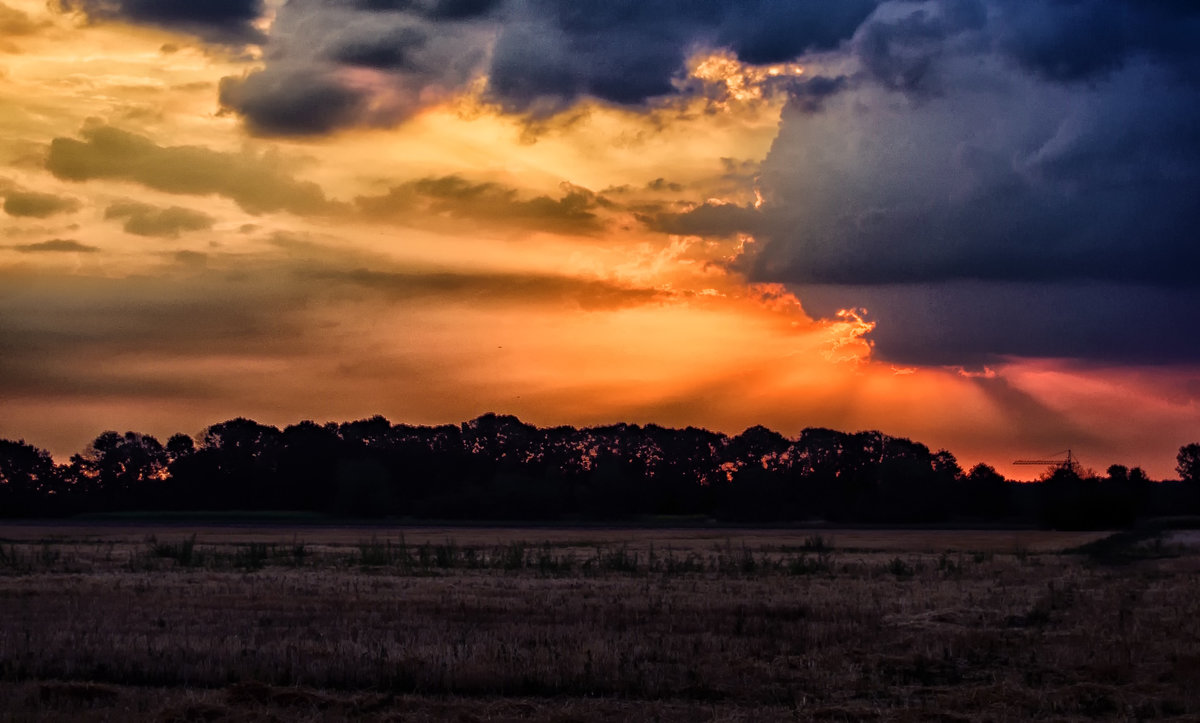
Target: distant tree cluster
[(497, 467)]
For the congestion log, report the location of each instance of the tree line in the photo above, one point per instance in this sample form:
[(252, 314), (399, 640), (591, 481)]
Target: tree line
[(497, 467)]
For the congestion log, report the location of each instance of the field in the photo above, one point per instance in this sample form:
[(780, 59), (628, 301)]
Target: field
[(170, 622)]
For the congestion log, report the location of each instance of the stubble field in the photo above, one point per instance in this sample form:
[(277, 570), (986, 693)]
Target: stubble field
[(143, 622)]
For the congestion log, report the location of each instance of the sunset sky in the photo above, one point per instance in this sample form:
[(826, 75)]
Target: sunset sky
[(968, 222)]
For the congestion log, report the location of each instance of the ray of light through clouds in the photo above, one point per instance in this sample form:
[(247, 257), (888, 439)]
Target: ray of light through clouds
[(967, 222)]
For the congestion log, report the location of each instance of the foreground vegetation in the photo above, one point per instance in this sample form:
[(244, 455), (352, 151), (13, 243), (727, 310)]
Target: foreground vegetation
[(114, 623)]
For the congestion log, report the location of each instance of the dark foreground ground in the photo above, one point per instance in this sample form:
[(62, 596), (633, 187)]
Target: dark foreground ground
[(475, 624)]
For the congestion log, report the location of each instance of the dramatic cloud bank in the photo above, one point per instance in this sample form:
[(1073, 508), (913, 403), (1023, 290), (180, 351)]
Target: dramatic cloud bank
[(968, 221), (987, 178), (988, 190), (331, 66), (990, 180)]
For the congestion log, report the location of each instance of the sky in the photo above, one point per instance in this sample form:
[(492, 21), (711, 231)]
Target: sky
[(967, 222)]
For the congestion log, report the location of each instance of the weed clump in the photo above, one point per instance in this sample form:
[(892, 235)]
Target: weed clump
[(183, 552)]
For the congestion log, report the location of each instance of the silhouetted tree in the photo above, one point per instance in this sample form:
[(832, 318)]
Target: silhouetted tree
[(1138, 476), (688, 474), (118, 469), (1123, 495), (235, 467), (1188, 467), (1064, 499), (308, 467), (914, 485), (816, 460), (1188, 463), (985, 493), (28, 479), (179, 446), (1075, 501)]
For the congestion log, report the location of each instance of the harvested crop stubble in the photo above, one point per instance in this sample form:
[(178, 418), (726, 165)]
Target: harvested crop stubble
[(598, 631)]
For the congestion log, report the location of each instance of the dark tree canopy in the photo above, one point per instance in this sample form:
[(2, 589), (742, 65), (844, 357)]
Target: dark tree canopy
[(1188, 465), (28, 477), (498, 467)]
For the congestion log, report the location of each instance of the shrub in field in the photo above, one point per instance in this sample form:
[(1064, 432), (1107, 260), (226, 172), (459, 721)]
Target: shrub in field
[(252, 556), (298, 553), (184, 552), (729, 561), (817, 543), (446, 556), (617, 560), (901, 569), (949, 566), (512, 557)]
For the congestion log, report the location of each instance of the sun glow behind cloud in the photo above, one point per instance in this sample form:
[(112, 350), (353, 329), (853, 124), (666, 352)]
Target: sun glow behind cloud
[(740, 82)]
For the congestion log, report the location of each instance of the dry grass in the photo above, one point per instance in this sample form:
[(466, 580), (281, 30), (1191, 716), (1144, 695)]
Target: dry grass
[(907, 540), (478, 624)]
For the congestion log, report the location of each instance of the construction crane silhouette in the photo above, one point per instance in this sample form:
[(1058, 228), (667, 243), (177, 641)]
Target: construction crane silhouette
[(1069, 463)]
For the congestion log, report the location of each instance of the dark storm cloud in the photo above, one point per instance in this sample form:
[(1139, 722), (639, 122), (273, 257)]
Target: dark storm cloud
[(56, 245), (539, 56), (537, 69), (809, 94), (292, 101), (37, 205), (444, 9), (983, 205), (337, 65), (774, 31), (392, 50), (630, 51), (975, 323), (491, 204), (901, 53), (258, 184), (1064, 41), (218, 20), (1074, 40), (143, 219)]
